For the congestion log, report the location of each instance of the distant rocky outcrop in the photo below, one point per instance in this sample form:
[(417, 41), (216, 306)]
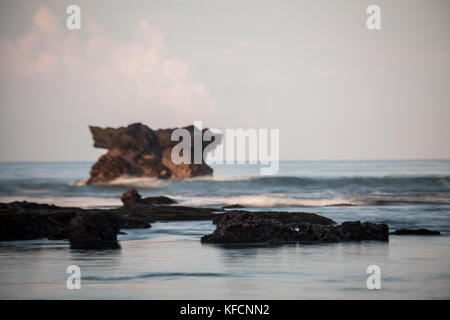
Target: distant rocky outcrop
[(248, 227), (139, 151)]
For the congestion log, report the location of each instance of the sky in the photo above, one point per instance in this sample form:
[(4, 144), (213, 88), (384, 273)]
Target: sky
[(312, 69)]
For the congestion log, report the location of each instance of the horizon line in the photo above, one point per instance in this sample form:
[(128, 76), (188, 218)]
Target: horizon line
[(281, 160)]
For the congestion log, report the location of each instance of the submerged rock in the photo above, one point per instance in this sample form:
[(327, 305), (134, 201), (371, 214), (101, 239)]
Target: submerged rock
[(269, 227), (93, 230), (419, 232), (139, 151)]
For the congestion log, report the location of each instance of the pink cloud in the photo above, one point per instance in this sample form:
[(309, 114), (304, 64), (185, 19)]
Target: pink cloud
[(137, 70)]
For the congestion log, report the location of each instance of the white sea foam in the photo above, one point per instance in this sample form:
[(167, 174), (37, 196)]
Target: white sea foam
[(32, 191), (79, 182), (268, 201), (138, 182), (264, 201)]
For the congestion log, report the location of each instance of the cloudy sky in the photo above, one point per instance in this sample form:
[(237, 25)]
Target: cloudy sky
[(309, 68)]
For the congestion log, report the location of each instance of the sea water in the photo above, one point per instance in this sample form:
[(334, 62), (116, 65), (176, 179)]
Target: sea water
[(168, 261)]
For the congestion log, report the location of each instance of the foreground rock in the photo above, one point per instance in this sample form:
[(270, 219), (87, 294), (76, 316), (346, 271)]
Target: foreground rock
[(419, 232), (139, 151), (152, 209), (131, 198), (165, 213), (98, 229), (283, 217), (93, 230), (27, 221), (247, 227)]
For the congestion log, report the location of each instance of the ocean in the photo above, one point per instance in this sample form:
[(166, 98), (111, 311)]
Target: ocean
[(168, 261)]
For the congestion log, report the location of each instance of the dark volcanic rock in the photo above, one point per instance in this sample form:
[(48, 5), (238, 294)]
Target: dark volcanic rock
[(25, 205), (25, 221), (420, 232), (93, 230), (165, 213), (99, 228), (159, 200), (131, 198), (109, 167), (137, 150), (355, 230), (284, 217), (128, 222), (246, 227)]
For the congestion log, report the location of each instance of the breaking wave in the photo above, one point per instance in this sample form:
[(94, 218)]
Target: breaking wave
[(127, 181), (266, 201)]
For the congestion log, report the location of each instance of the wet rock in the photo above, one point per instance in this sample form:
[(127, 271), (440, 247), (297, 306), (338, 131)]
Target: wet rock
[(158, 200), (245, 227), (419, 232), (134, 223), (131, 198), (94, 230), (139, 151), (355, 230), (233, 206), (25, 205), (25, 221), (284, 217), (166, 213), (269, 227)]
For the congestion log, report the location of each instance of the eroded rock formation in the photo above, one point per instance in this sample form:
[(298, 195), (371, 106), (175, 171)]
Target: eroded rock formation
[(139, 151)]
